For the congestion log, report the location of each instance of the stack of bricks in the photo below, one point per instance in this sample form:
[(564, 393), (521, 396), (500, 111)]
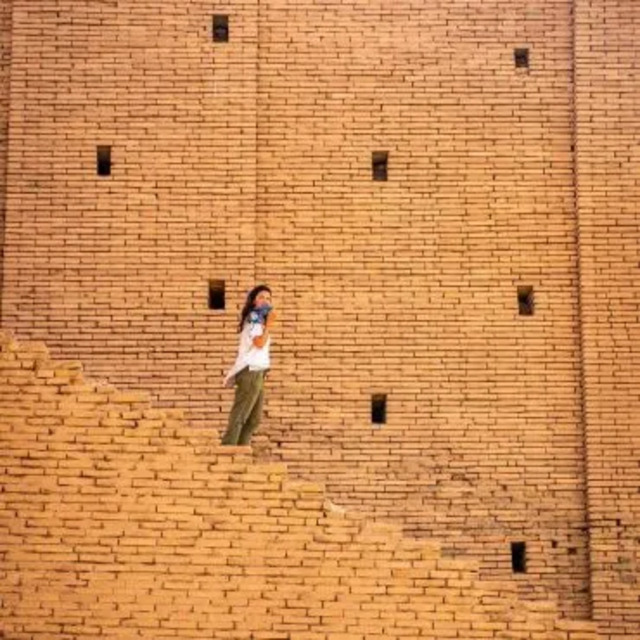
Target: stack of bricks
[(608, 129), (117, 520)]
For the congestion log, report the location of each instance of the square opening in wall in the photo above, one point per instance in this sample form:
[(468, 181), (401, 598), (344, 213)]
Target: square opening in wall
[(519, 557), (525, 301), (521, 58), (379, 165), (216, 294), (103, 157), (220, 28), (379, 408)]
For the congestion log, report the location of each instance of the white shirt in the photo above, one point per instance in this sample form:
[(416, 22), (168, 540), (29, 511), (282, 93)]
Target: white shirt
[(256, 358)]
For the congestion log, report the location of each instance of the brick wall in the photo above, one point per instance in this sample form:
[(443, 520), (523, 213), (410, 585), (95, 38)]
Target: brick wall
[(251, 160), (117, 520), (5, 57), (115, 270), (408, 287), (405, 287), (608, 160)]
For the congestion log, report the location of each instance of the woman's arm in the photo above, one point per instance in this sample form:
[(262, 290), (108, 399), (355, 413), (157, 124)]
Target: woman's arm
[(261, 341)]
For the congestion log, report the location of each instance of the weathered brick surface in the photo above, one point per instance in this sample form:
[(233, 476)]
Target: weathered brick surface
[(119, 266), (408, 287), (608, 128), (118, 521), (5, 58), (252, 160)]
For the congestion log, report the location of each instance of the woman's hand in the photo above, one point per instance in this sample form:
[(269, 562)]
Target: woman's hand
[(261, 341), (271, 318)]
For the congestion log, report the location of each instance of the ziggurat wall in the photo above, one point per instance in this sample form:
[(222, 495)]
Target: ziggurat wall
[(250, 161), (118, 522)]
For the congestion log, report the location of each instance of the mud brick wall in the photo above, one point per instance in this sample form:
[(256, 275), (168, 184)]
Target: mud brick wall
[(408, 287), (251, 160), (115, 269), (5, 58), (118, 520), (608, 129)]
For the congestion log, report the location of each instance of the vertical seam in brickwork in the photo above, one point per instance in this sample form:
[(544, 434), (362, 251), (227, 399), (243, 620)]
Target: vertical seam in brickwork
[(256, 193), (5, 177), (580, 315)]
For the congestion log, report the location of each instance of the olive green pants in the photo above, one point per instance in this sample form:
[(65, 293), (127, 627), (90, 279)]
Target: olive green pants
[(247, 407)]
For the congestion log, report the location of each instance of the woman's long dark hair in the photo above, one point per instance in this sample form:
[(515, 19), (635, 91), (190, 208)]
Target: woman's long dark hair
[(248, 305)]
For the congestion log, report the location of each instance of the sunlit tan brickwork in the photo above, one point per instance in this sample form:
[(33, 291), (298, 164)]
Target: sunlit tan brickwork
[(116, 521), (482, 281)]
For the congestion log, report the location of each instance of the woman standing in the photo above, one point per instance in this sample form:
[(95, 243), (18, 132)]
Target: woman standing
[(251, 365)]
